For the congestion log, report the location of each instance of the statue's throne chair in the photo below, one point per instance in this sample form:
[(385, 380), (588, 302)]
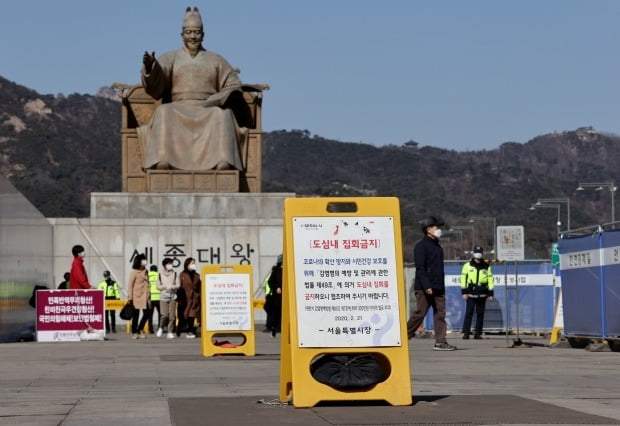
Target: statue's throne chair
[(137, 109)]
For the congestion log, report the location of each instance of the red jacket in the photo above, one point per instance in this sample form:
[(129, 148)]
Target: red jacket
[(78, 278)]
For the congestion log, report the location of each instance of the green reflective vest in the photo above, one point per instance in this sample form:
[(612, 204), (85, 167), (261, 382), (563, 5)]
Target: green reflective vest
[(154, 280), (266, 282), (476, 280), (110, 291)]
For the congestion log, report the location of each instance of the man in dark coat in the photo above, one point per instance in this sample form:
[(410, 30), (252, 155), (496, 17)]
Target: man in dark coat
[(273, 300), (429, 286)]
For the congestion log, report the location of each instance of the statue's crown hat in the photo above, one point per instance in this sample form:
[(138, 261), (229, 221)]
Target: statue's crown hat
[(192, 18)]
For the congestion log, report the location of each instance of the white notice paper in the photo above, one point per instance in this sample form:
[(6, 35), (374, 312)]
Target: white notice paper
[(228, 302), (346, 283)]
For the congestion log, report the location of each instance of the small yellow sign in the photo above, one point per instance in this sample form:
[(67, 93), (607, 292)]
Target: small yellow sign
[(114, 305), (227, 309)]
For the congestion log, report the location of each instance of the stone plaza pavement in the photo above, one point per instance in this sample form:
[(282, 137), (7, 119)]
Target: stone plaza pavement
[(161, 382)]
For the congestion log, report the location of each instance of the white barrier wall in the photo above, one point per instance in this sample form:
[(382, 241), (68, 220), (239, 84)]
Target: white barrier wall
[(25, 262)]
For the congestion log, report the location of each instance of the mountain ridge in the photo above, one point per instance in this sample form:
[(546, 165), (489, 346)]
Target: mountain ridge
[(58, 149)]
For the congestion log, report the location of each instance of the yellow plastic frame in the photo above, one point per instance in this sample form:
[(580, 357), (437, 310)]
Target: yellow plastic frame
[(296, 383), (248, 348)]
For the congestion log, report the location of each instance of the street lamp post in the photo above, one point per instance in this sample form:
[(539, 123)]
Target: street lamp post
[(448, 243), (549, 206), (460, 233), (557, 201), (480, 218), (599, 186), (466, 228)]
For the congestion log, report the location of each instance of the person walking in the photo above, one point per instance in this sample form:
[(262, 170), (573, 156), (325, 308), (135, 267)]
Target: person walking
[(138, 293), (168, 285), (429, 284), (189, 298), (111, 291), (154, 281), (476, 288)]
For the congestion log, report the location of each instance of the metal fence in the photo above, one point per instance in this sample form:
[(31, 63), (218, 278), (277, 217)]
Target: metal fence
[(525, 297)]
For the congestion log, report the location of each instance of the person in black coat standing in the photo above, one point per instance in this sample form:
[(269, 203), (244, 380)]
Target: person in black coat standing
[(429, 285), (273, 300)]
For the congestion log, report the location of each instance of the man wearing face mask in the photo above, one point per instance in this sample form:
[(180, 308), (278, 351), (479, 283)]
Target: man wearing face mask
[(429, 284), (476, 287), (77, 277), (111, 292)]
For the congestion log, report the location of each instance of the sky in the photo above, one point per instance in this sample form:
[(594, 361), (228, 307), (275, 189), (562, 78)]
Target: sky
[(462, 75)]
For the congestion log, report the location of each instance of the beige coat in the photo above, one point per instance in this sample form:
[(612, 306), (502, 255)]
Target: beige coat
[(139, 288)]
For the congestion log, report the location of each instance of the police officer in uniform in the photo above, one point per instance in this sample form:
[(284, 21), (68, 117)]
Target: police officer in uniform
[(155, 298), (476, 288), (65, 284), (111, 292)]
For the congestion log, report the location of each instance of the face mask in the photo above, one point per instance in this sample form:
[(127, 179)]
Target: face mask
[(169, 267), (82, 255), (192, 267), (477, 255), (143, 263), (437, 233)]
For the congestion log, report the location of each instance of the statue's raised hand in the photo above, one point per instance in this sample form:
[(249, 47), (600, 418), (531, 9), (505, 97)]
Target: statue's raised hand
[(148, 59)]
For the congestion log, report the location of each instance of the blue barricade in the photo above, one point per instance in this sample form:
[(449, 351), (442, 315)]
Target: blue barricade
[(581, 272), (590, 269), (536, 294), (611, 283)]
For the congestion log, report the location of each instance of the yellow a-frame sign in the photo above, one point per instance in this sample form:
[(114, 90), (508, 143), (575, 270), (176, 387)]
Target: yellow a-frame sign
[(227, 308), (343, 293)]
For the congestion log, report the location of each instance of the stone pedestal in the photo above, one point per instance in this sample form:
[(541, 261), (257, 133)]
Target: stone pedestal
[(231, 207), (213, 228), (180, 181)]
